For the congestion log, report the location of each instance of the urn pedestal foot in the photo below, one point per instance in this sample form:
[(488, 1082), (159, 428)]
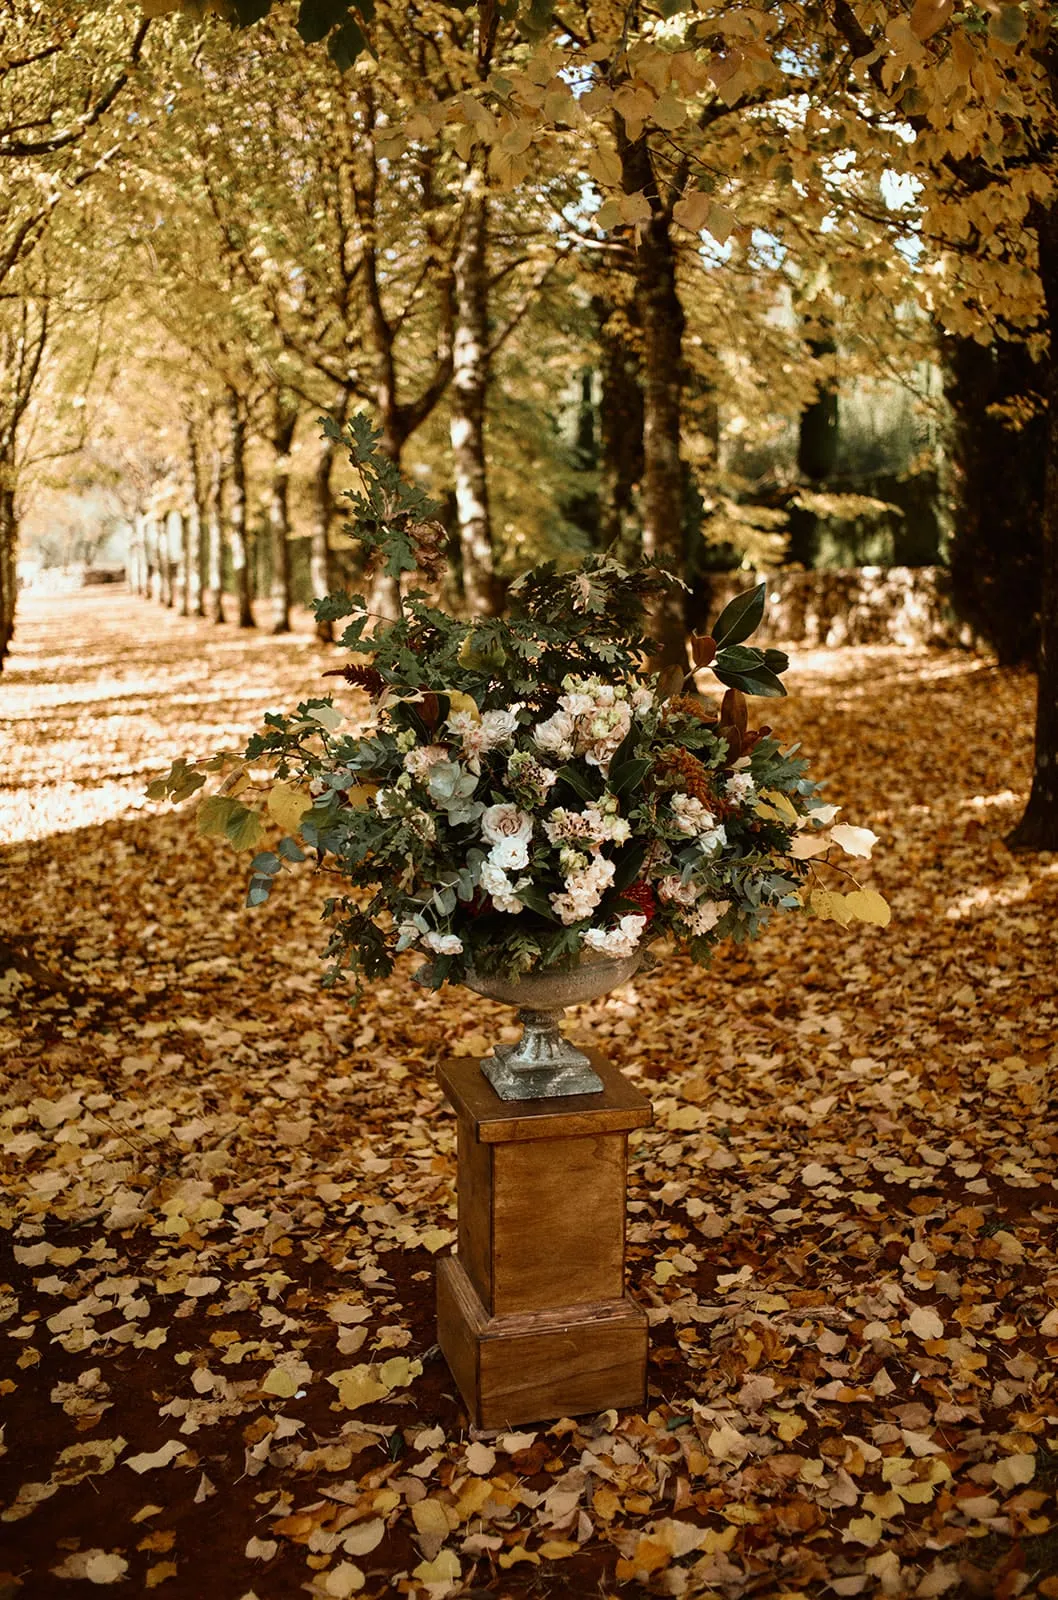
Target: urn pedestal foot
[(532, 1314)]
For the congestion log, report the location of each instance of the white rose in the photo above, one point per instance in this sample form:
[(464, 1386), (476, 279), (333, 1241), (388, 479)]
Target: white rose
[(498, 727), (443, 944), (499, 888), (510, 854)]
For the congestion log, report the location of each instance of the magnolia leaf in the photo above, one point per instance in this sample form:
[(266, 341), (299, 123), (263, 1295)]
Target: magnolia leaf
[(741, 618), (670, 682)]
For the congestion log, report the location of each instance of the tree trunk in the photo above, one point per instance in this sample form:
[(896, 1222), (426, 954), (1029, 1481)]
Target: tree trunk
[(183, 524), (662, 321), (152, 557), (196, 519), (166, 564), (620, 421), (999, 474), (138, 555), (285, 421), (321, 564), (1038, 828), (239, 530), (8, 563), (817, 454), (215, 539), (470, 376)]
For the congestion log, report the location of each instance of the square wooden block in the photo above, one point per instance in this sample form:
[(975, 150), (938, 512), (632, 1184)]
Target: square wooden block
[(531, 1368)]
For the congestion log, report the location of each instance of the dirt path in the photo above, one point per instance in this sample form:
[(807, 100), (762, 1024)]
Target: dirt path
[(222, 1187)]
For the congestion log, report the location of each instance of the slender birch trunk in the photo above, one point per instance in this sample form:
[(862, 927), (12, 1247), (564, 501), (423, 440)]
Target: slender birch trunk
[(321, 564), (284, 423), (470, 375), (239, 530)]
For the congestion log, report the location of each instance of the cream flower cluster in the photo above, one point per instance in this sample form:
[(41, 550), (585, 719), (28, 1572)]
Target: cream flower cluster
[(508, 830), (617, 942), (698, 822), (586, 882), (480, 734), (593, 719)]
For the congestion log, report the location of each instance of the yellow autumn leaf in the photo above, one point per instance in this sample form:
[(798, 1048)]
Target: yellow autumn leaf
[(458, 701), (830, 906), (398, 1372), (774, 804), (357, 1386), (434, 1239), (360, 795), (557, 1549), (431, 1519), (287, 805), (867, 905), (508, 1558), (280, 1383), (1013, 1470), (444, 1568), (863, 1530)]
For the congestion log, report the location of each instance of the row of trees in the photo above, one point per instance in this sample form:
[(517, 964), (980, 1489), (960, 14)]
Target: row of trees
[(458, 225)]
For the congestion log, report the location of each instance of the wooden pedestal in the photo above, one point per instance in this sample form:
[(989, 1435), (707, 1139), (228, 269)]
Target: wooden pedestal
[(532, 1315)]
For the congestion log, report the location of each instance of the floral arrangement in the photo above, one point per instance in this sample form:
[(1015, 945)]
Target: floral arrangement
[(522, 794)]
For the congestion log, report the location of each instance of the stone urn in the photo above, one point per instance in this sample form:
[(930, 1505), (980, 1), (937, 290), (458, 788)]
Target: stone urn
[(543, 1064)]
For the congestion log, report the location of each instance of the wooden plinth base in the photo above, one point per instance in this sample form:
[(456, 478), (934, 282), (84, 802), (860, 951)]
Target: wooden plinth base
[(532, 1315), (544, 1363)]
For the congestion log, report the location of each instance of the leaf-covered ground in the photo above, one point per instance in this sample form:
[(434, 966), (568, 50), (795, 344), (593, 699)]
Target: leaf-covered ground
[(223, 1190)]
